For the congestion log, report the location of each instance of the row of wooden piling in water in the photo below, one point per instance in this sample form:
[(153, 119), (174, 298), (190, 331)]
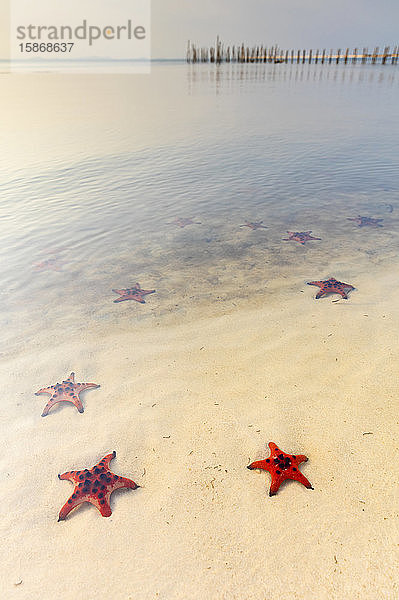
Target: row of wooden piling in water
[(221, 53)]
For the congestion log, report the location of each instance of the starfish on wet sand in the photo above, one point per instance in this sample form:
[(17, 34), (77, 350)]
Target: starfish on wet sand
[(362, 221), (51, 264), (300, 236), (332, 286), (94, 485), (67, 391), (281, 466), (133, 293), (254, 225), (181, 222)]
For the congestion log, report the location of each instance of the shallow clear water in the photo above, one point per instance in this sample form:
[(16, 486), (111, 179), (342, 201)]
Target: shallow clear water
[(96, 169), (232, 351)]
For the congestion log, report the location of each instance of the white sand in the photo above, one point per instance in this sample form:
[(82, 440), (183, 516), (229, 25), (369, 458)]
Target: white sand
[(186, 407)]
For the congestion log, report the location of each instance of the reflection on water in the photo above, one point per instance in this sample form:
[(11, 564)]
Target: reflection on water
[(224, 75), (98, 170)]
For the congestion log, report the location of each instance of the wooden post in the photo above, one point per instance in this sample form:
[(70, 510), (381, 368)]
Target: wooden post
[(292, 56), (365, 55), (346, 55), (385, 55), (310, 56), (316, 60), (374, 57), (338, 55), (303, 56), (298, 57), (323, 56), (354, 58), (330, 57)]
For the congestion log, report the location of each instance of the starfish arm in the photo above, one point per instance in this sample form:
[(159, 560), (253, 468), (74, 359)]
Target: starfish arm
[(48, 390), (319, 283), (77, 402), (102, 505), (81, 387), (258, 464), (121, 299), (275, 484), (302, 479), (62, 398), (124, 482), (321, 293), (71, 378), (69, 505), (48, 406), (348, 285), (70, 476), (300, 458), (104, 462), (273, 447), (341, 293), (137, 297), (120, 292), (145, 292)]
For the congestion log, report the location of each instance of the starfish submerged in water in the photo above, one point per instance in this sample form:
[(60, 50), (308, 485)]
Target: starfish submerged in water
[(94, 485), (67, 391), (181, 222), (332, 286), (133, 293), (300, 236), (254, 225), (367, 221)]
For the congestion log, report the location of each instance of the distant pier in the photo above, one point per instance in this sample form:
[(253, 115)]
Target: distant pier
[(221, 53)]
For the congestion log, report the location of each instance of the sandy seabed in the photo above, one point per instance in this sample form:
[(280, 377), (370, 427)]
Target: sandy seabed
[(187, 405)]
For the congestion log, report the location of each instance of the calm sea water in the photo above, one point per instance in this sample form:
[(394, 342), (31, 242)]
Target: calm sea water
[(95, 169)]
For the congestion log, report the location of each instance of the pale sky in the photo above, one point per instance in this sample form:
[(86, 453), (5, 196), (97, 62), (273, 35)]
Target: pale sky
[(288, 23)]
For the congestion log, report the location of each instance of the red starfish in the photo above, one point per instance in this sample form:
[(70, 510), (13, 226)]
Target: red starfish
[(281, 466), (94, 485), (300, 236), (255, 225), (183, 222), (134, 293), (331, 286), (362, 221), (67, 391), (50, 264)]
